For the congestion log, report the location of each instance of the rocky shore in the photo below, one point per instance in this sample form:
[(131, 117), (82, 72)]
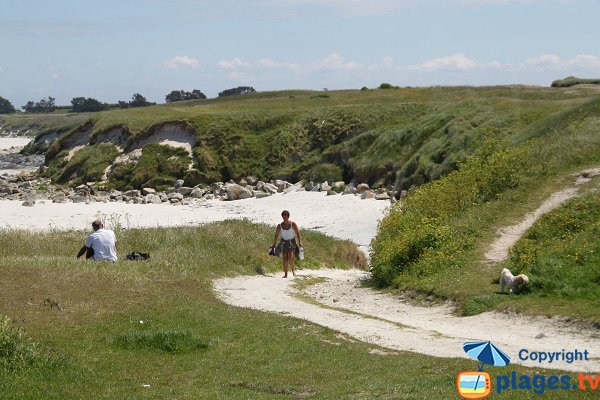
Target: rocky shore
[(30, 188)]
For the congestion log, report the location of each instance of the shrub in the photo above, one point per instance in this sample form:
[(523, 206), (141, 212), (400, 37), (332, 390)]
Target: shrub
[(325, 172), (158, 166)]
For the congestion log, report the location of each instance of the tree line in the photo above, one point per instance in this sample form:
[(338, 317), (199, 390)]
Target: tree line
[(89, 104)]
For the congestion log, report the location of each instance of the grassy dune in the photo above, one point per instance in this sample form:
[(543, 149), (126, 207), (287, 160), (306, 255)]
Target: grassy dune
[(436, 242), (398, 138), (158, 323)]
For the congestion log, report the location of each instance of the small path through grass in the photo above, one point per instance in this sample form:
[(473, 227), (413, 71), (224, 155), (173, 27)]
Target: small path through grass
[(498, 251), (343, 304)]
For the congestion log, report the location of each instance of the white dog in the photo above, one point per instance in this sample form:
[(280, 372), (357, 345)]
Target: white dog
[(515, 283)]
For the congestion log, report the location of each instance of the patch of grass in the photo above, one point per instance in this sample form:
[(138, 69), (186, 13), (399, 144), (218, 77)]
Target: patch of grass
[(159, 166), (87, 164), (561, 252), (175, 342), (251, 354), (18, 352), (435, 239)]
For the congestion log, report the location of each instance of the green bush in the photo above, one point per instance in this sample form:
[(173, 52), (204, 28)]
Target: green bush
[(418, 235), (573, 80), (158, 166), (325, 172), (87, 164)]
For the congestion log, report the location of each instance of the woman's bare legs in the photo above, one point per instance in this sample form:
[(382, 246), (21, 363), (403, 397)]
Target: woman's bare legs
[(286, 255), (292, 260)]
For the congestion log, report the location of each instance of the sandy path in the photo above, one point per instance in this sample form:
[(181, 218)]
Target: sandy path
[(387, 321), (510, 235)]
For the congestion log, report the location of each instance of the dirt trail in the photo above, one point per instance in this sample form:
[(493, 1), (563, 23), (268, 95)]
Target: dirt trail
[(342, 304), (510, 235)]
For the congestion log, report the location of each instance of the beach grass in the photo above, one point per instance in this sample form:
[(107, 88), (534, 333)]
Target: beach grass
[(155, 329)]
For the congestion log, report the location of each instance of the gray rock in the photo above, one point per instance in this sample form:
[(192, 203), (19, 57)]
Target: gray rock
[(368, 195), (178, 183), (325, 186), (382, 196), (237, 192), (152, 199), (251, 180), (261, 195), (146, 191), (184, 190), (362, 187), (339, 184), (175, 197), (270, 188), (316, 188), (197, 193), (309, 186), (28, 203), (331, 192), (349, 190), (294, 188), (281, 185), (132, 193)]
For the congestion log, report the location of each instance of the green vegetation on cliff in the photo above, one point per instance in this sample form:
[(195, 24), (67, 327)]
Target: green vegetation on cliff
[(398, 138), (435, 240)]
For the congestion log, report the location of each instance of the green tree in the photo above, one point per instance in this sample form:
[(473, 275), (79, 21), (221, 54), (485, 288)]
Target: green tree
[(82, 104), (237, 90), (42, 106), (6, 106), (137, 100)]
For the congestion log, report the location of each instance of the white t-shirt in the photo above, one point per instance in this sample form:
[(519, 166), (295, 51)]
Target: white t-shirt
[(103, 242)]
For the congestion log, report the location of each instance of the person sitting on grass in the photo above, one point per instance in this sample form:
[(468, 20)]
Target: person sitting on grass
[(100, 244), (289, 232)]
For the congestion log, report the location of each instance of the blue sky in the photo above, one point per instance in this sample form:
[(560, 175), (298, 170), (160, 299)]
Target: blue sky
[(111, 49)]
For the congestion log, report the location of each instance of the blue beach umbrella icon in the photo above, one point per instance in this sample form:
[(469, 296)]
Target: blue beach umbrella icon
[(486, 353)]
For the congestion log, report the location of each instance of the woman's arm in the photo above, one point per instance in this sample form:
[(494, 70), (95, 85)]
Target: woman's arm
[(297, 233), (276, 234)]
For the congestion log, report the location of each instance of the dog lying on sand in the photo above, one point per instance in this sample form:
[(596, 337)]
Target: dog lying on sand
[(515, 283)]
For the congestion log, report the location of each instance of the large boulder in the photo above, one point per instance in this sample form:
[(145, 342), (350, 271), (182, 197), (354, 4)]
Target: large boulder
[(237, 192), (369, 194), (197, 193), (184, 190), (362, 187)]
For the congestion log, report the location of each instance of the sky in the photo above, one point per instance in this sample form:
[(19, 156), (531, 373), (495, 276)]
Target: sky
[(111, 49)]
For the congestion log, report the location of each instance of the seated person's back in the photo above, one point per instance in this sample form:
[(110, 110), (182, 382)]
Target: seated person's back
[(102, 242)]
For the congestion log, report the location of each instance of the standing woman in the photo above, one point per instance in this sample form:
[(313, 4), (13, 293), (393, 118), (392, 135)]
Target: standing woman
[(289, 232)]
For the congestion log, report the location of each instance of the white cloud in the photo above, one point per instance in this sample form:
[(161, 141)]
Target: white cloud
[(335, 62), (268, 63), (234, 63), (181, 61), (455, 62), (544, 60), (584, 61)]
